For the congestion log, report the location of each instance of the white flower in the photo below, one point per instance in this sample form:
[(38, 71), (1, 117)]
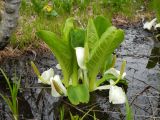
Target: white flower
[(80, 57), (149, 25), (157, 26), (116, 94), (57, 87), (58, 66), (46, 75), (115, 72)]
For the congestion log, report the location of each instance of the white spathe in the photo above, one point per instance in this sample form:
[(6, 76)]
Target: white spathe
[(54, 92), (46, 75), (116, 94), (115, 72), (157, 26), (58, 66), (80, 57), (149, 25)]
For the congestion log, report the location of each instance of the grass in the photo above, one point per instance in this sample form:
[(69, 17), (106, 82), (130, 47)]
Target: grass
[(30, 21), (76, 117), (12, 101)]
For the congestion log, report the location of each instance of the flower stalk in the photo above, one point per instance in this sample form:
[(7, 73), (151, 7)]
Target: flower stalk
[(123, 66)]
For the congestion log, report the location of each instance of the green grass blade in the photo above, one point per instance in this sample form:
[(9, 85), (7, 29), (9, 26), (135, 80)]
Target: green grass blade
[(6, 78), (8, 101), (129, 114), (87, 113), (62, 113)]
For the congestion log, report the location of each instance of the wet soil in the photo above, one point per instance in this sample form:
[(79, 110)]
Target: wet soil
[(141, 51)]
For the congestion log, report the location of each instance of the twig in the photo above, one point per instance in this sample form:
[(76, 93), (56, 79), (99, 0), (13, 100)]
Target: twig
[(146, 88), (79, 109)]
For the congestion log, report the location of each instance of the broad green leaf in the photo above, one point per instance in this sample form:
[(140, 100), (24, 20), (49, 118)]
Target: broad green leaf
[(108, 42), (61, 50), (92, 36), (101, 24), (77, 37), (75, 71), (107, 64), (68, 26), (86, 52), (78, 94)]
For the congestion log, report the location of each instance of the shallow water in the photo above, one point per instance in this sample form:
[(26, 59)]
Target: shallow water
[(140, 50)]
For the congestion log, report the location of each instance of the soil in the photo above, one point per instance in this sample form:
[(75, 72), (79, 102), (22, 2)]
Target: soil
[(141, 51)]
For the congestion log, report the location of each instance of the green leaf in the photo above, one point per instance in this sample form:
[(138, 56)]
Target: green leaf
[(77, 37), (76, 117), (101, 24), (108, 77), (129, 114), (78, 94), (6, 78), (68, 26), (86, 52), (62, 113), (62, 52), (75, 71), (92, 36), (8, 101), (107, 64), (108, 42)]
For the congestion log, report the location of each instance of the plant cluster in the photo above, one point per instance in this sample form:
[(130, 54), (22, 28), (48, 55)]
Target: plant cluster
[(83, 54), (12, 100), (53, 7)]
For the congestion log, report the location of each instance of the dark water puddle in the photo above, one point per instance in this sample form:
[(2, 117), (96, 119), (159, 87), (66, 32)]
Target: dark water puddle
[(142, 53)]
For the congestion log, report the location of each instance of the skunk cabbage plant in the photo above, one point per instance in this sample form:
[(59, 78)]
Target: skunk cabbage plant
[(82, 54)]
